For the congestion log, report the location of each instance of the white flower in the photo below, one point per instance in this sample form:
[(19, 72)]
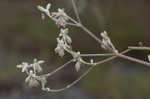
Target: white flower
[(48, 6), (77, 59), (61, 22), (29, 76), (45, 10), (24, 66), (60, 47), (43, 81), (31, 79), (60, 17), (37, 65), (106, 43), (78, 64), (64, 35), (76, 55), (60, 13)]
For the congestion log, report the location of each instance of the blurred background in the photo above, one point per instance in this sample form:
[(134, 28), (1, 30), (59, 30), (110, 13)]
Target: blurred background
[(24, 36)]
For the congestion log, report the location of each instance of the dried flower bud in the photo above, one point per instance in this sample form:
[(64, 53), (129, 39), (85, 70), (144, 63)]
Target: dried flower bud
[(42, 9), (60, 47), (107, 44), (65, 36), (77, 66), (48, 6), (60, 17), (77, 59), (35, 83), (37, 65), (92, 61), (148, 57), (31, 79), (141, 44), (24, 66), (45, 10)]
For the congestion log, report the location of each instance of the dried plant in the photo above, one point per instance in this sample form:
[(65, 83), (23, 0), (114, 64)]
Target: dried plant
[(64, 45)]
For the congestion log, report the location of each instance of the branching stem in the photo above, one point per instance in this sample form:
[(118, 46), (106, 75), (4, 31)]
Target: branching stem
[(85, 29), (133, 59), (113, 55), (86, 72)]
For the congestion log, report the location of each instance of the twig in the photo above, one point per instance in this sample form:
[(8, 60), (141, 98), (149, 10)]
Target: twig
[(139, 48), (133, 59), (113, 57), (85, 73), (95, 55), (72, 24), (85, 29), (56, 70)]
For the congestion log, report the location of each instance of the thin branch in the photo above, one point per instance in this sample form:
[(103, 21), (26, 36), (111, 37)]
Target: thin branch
[(96, 55), (58, 69), (74, 82), (78, 23), (139, 48), (73, 20), (113, 57), (76, 11), (87, 63), (72, 24), (133, 59), (85, 73), (85, 29)]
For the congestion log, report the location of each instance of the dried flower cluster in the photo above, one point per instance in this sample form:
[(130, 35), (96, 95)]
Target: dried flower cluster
[(106, 43), (31, 70), (64, 45)]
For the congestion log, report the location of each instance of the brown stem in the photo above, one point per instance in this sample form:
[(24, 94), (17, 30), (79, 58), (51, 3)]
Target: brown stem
[(111, 58), (133, 59)]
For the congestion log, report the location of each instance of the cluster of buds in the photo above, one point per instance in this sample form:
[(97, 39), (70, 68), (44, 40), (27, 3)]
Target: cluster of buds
[(36, 66), (31, 79), (77, 58), (60, 17), (106, 43), (63, 42)]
